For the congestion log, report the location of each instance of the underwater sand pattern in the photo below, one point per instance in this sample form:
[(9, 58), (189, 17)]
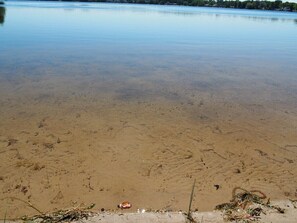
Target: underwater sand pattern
[(71, 140)]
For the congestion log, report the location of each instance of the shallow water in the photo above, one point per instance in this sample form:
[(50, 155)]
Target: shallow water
[(101, 103)]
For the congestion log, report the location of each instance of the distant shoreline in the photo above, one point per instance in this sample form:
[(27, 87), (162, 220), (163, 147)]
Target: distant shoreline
[(251, 5)]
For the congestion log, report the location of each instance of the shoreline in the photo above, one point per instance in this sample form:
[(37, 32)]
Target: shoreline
[(287, 6), (286, 212), (143, 216)]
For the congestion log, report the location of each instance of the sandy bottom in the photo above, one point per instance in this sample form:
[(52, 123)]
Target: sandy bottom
[(72, 140)]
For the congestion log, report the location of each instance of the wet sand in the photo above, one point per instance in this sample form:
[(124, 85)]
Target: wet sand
[(67, 140)]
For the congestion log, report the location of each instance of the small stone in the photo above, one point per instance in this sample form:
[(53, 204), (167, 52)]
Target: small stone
[(216, 186)]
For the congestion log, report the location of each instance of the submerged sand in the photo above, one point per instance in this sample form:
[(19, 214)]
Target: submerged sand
[(72, 140)]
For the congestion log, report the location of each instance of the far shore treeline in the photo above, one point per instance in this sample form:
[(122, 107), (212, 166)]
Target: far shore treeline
[(250, 4)]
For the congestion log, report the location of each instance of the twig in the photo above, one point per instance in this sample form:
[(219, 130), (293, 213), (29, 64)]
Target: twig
[(189, 215), (260, 192), (26, 202), (237, 188), (5, 217)]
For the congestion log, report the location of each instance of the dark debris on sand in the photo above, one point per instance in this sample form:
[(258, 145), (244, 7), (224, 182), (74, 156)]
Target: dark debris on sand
[(246, 206)]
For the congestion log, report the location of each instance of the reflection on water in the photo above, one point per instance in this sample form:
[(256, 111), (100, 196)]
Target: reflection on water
[(2, 14), (180, 10)]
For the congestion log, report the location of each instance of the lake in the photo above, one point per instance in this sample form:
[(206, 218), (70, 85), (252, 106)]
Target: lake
[(101, 103)]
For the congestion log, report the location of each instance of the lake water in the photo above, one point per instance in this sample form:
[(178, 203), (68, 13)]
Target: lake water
[(101, 103)]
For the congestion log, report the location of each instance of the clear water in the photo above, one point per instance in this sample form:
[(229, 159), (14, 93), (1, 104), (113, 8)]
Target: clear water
[(124, 33), (210, 46)]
